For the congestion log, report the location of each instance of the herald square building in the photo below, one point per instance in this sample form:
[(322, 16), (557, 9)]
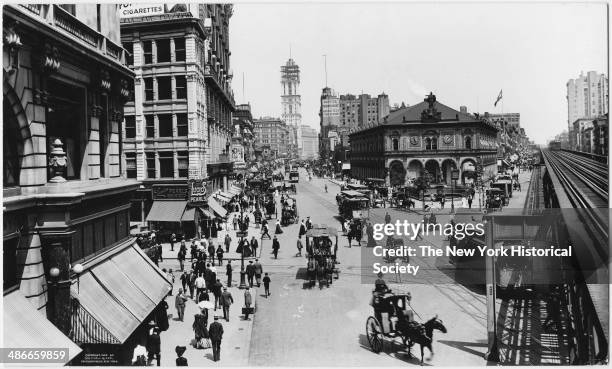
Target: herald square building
[(426, 137)]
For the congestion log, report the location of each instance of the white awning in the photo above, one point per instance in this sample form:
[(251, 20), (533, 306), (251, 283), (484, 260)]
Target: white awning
[(26, 327)]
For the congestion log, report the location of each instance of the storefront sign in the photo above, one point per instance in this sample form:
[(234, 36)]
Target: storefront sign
[(197, 192), (169, 192), (139, 10)]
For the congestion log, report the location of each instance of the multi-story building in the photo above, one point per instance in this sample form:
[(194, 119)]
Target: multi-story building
[(310, 143), (274, 134), (428, 137), (363, 110), (243, 121), (68, 256), (587, 97), (511, 136), (179, 123), (291, 101), (345, 113)]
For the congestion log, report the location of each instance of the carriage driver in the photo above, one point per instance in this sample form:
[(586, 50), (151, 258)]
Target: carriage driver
[(380, 286)]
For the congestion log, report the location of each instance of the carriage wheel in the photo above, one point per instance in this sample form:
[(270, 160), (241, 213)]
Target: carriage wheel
[(374, 333)]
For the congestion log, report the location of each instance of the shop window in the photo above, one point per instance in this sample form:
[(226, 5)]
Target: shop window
[(181, 87), (179, 49), (130, 126), (150, 126), (164, 88), (147, 50), (165, 125), (148, 85), (163, 51), (183, 163), (150, 159), (130, 164), (166, 164), (181, 125), (65, 121)]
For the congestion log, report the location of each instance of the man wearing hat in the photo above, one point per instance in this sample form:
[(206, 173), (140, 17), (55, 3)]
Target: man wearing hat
[(216, 334), (258, 271), (154, 346), (250, 271), (226, 301)]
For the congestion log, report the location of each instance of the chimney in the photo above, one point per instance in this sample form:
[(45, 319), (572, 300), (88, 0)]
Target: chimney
[(463, 109)]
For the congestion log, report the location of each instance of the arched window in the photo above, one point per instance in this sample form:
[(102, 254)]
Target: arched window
[(395, 144), (434, 143), (468, 142), (427, 143)]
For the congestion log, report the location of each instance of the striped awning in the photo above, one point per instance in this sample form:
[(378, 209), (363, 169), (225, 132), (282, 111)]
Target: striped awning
[(26, 327), (118, 294), (216, 207), (166, 211), (234, 190)]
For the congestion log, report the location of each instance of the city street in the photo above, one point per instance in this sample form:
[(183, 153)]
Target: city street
[(326, 327)]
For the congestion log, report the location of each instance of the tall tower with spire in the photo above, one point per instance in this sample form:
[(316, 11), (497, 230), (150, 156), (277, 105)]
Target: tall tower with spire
[(291, 103)]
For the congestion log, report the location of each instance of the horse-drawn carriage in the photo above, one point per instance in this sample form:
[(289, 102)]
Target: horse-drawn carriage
[(394, 318), (394, 243), (352, 204), (495, 198), (321, 251)]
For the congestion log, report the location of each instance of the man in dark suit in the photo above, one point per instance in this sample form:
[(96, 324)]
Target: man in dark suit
[(154, 346), (254, 246), (226, 301), (216, 334), (250, 272)]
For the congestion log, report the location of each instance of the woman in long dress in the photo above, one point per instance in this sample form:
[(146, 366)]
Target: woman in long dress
[(279, 230)]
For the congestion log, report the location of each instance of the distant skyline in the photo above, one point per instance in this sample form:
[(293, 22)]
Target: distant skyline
[(465, 53)]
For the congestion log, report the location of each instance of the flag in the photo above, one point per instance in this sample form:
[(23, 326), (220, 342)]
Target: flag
[(499, 97)]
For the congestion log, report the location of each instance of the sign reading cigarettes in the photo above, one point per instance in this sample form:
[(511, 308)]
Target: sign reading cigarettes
[(139, 10)]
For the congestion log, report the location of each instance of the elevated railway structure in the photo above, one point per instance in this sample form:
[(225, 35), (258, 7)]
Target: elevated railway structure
[(576, 185)]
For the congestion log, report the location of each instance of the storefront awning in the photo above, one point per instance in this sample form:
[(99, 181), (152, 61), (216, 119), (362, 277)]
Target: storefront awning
[(188, 215), (216, 207), (166, 211), (26, 327), (117, 295)]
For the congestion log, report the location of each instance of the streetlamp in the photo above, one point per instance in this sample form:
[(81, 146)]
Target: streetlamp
[(78, 269), (54, 274), (454, 178)]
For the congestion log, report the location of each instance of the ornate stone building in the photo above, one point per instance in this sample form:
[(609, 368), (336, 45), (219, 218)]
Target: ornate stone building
[(427, 136), (65, 201), (179, 124)]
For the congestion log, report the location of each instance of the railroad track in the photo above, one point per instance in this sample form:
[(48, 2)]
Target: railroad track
[(585, 183)]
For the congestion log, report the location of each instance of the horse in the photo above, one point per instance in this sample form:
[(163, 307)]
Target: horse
[(422, 334), (312, 271)]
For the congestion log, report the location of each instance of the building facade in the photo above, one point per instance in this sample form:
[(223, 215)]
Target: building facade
[(511, 137), (363, 110), (291, 101), (428, 137), (275, 136), (66, 200), (310, 143), (243, 121), (587, 97), (179, 123)]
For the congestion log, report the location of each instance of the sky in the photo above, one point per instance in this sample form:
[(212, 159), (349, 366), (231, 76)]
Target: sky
[(465, 53)]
